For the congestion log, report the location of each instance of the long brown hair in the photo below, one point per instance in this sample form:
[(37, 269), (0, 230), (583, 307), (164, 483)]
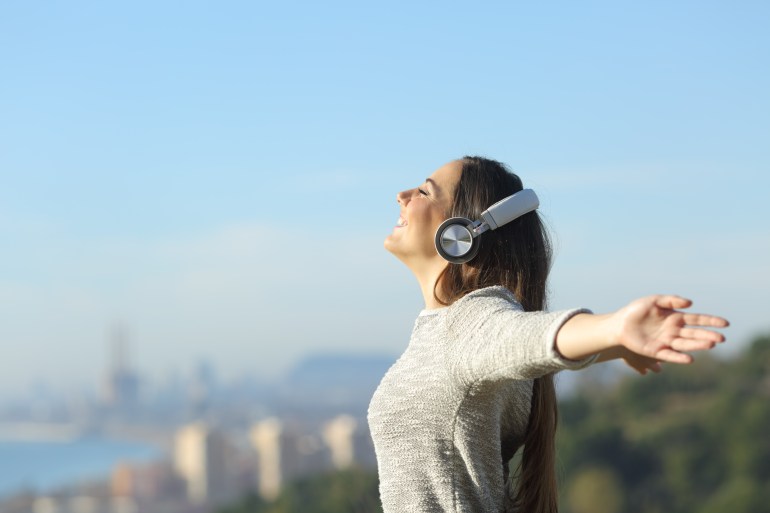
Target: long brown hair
[(518, 257)]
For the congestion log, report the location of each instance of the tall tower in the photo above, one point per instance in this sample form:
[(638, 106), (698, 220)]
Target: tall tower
[(121, 388)]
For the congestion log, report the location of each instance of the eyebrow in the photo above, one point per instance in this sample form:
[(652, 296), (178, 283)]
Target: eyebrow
[(433, 184)]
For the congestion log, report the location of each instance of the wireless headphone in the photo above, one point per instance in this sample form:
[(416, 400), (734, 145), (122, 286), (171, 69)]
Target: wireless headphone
[(457, 238)]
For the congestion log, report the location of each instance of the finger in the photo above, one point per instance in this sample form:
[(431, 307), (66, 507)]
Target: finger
[(671, 356), (705, 320), (672, 302), (686, 344), (701, 334), (656, 368)]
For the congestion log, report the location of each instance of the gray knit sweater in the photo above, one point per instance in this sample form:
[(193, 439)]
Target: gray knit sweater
[(453, 409)]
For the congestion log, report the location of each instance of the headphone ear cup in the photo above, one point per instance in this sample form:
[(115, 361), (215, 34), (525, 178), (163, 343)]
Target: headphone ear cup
[(455, 242)]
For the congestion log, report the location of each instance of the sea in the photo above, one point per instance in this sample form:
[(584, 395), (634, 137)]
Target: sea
[(44, 466)]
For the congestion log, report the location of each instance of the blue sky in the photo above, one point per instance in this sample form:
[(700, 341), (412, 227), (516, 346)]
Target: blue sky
[(219, 177)]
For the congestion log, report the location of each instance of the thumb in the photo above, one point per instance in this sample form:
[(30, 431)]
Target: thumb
[(673, 302)]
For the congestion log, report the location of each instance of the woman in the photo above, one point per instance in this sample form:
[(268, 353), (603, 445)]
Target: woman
[(475, 383)]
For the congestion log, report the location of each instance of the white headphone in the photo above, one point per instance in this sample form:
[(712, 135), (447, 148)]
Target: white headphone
[(457, 237)]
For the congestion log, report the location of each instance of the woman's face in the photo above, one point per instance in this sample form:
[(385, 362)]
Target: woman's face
[(423, 209)]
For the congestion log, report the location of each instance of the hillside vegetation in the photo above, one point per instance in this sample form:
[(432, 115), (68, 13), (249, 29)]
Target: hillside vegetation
[(694, 438)]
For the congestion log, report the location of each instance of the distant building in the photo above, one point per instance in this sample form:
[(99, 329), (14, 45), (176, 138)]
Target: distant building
[(86, 504), (266, 437), (45, 505), (338, 435), (146, 481), (200, 458), (82, 504), (284, 453), (123, 482), (349, 443)]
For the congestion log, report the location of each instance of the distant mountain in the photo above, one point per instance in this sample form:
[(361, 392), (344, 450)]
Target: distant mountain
[(333, 382), (339, 369)]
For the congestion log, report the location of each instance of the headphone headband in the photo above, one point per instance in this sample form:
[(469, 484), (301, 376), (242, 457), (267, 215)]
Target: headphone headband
[(510, 208)]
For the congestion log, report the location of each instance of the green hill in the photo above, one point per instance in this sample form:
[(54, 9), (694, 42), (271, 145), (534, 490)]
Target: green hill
[(693, 439)]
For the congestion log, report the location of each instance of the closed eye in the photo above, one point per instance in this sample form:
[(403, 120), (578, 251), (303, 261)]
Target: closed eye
[(422, 192)]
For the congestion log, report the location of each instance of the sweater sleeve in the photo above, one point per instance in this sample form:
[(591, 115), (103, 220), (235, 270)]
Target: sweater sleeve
[(491, 338)]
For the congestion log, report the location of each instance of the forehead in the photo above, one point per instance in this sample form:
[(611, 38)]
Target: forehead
[(447, 176)]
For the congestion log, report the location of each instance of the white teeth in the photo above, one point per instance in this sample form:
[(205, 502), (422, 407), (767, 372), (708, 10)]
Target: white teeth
[(401, 222)]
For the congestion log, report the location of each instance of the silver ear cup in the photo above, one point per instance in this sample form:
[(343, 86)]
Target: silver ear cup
[(454, 240)]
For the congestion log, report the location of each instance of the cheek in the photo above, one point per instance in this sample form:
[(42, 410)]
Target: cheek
[(437, 217), (428, 219)]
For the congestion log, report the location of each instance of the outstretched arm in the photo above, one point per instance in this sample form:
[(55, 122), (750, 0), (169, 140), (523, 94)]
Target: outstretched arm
[(650, 327)]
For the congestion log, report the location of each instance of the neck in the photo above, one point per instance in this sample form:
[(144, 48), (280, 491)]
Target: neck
[(427, 275)]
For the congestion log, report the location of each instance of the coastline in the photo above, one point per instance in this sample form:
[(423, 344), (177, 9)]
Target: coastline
[(40, 432), (43, 461)]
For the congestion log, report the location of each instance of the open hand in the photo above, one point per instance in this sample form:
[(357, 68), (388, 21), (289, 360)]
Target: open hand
[(641, 364), (652, 327)]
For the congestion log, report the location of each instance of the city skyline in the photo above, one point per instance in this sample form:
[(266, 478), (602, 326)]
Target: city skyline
[(220, 180)]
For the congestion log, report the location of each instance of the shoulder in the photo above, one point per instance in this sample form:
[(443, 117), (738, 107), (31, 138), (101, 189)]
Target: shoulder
[(480, 303), (495, 296)]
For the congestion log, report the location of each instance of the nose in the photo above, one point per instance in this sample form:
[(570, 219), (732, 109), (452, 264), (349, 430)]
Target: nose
[(403, 198)]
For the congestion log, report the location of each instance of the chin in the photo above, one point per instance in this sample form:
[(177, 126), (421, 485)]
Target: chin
[(393, 247), (389, 245)]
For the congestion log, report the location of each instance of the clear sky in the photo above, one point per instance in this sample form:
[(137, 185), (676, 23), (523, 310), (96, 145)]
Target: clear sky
[(219, 176)]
